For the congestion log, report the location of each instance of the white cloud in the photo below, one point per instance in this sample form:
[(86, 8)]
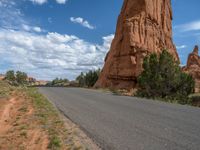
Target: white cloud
[(191, 26), (6, 3), (46, 55), (37, 29), (51, 55), (61, 1), (107, 40), (82, 22), (181, 47), (32, 29), (40, 2), (11, 17), (26, 27)]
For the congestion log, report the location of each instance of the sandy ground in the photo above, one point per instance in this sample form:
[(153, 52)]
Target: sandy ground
[(18, 128)]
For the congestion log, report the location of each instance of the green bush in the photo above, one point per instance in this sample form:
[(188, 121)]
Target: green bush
[(81, 79), (194, 99), (55, 143), (18, 78), (88, 79), (58, 82), (10, 75), (21, 77), (162, 77)]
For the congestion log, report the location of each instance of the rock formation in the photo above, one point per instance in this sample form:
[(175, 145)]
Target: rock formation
[(193, 67), (144, 26)]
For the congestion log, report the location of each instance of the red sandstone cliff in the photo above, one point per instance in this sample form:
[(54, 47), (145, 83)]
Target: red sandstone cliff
[(144, 26), (193, 67)]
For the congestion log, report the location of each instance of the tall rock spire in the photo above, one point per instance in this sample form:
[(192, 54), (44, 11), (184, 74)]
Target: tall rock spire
[(193, 67), (143, 27)]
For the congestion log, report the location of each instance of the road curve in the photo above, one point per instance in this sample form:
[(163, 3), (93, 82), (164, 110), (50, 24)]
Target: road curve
[(128, 123)]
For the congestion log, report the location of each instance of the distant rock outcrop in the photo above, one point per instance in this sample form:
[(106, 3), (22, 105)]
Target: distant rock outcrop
[(193, 67), (144, 26)]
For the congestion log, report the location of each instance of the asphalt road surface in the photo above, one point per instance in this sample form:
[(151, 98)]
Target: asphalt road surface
[(128, 123)]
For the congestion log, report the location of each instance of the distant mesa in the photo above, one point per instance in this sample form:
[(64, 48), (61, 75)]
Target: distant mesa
[(193, 67), (33, 82), (144, 27), (30, 81)]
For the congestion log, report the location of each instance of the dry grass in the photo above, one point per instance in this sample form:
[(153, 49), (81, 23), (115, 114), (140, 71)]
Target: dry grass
[(29, 121)]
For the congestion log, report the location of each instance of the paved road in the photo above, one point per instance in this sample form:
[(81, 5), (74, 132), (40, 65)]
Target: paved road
[(127, 123)]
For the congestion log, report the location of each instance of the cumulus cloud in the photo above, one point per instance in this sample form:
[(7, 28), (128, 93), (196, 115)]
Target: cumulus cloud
[(107, 40), (51, 55), (61, 1), (27, 47), (40, 2), (181, 46), (11, 16), (37, 29), (82, 22), (32, 28), (191, 26), (6, 3)]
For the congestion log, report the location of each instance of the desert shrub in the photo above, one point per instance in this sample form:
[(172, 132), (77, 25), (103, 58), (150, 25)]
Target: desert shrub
[(81, 79), (18, 78), (194, 99), (88, 79), (21, 77), (162, 77), (10, 75), (58, 82)]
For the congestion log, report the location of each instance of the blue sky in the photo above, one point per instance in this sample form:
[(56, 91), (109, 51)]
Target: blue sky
[(61, 38), (186, 26)]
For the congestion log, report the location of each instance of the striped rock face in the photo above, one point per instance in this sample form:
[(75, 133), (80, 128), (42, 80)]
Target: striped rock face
[(144, 27)]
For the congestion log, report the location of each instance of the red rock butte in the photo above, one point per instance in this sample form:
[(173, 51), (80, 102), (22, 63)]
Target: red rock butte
[(143, 27), (193, 67)]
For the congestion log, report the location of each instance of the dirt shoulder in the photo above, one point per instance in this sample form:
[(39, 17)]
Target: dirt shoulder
[(29, 122), (19, 128)]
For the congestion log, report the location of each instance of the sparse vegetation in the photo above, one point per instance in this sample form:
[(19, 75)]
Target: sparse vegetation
[(44, 120), (19, 126), (88, 79), (47, 116), (50, 119), (163, 78), (55, 143), (10, 76), (18, 78), (195, 99), (59, 82), (5, 89), (21, 77)]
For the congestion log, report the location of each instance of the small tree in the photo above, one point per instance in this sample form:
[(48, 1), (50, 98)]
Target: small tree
[(163, 77), (88, 79), (58, 82), (21, 77), (10, 75), (55, 81), (81, 79)]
